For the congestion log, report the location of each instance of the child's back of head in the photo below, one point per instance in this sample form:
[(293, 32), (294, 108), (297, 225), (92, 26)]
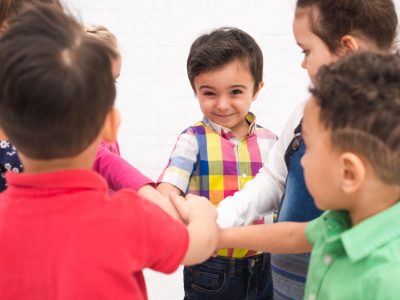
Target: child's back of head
[(11, 8), (222, 46), (55, 94), (359, 98)]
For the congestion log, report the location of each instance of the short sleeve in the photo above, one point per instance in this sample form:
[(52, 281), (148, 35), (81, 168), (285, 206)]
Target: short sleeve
[(313, 230), (181, 162)]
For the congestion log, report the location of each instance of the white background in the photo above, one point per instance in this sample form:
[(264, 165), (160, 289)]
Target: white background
[(154, 94)]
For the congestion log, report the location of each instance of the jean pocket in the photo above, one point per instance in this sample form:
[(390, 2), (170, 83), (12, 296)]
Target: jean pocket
[(208, 280)]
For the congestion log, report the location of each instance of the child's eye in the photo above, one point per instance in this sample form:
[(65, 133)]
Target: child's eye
[(236, 92), (305, 52), (208, 94)]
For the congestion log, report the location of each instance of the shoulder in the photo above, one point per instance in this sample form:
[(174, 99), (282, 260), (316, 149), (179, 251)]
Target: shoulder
[(264, 133)]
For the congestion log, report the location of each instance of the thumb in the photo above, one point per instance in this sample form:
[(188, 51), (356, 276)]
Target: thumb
[(180, 205)]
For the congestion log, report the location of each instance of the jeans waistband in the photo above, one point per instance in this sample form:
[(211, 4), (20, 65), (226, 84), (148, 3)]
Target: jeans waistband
[(235, 265)]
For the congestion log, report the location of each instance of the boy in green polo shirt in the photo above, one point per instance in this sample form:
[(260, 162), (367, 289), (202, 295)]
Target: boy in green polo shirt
[(352, 168)]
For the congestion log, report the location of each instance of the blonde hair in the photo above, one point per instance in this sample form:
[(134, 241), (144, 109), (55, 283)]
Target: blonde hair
[(102, 33)]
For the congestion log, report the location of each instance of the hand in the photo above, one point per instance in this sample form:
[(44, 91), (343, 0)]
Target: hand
[(193, 207)]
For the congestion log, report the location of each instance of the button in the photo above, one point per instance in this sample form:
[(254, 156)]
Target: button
[(244, 175), (226, 131), (312, 297), (252, 263), (327, 259)]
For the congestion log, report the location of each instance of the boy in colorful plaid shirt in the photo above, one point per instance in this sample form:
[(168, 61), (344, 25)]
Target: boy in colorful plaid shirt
[(218, 155)]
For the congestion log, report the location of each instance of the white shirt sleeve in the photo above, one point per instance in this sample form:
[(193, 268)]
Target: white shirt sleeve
[(263, 193)]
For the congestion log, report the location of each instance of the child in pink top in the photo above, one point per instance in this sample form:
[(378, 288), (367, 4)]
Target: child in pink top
[(117, 171)]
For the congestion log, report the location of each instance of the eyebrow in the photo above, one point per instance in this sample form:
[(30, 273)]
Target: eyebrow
[(230, 87)]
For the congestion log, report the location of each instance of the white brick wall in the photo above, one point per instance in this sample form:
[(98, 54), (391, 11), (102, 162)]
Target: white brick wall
[(154, 94)]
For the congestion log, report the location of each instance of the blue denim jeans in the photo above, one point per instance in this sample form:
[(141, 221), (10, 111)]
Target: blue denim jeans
[(222, 278)]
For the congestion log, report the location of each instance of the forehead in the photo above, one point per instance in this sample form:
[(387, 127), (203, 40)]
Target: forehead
[(236, 70)]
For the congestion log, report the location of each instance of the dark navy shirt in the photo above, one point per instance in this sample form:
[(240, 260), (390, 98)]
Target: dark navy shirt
[(9, 161)]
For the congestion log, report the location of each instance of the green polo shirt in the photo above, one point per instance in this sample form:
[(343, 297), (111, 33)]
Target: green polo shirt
[(360, 262)]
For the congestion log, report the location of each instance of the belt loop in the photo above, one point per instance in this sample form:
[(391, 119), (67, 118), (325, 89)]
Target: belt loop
[(232, 266), (264, 260)]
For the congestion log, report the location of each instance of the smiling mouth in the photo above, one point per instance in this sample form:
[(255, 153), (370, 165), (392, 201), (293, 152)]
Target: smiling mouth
[(223, 116)]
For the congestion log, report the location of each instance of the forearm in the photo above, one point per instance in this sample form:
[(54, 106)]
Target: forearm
[(259, 196), (166, 189), (203, 238), (285, 237), (156, 197)]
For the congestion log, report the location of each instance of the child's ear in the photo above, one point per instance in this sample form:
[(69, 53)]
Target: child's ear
[(3, 136), (3, 27), (348, 44), (111, 125), (352, 172), (257, 91)]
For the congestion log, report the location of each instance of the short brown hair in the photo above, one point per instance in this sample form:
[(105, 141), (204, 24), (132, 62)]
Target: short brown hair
[(373, 20), (102, 33), (359, 97), (10, 8), (56, 84), (222, 46)]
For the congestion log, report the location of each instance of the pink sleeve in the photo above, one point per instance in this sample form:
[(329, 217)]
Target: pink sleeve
[(117, 171)]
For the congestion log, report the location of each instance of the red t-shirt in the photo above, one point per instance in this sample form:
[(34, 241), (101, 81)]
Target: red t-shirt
[(63, 237)]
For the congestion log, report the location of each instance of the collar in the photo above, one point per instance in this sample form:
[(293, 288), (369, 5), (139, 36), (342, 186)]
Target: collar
[(226, 132), (374, 232), (78, 179)]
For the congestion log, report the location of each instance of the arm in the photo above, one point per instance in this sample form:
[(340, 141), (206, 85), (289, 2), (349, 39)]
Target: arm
[(262, 194), (285, 237), (166, 188), (151, 194), (120, 174), (117, 171), (199, 215), (176, 175)]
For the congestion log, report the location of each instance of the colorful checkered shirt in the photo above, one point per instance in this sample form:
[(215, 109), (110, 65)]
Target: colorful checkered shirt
[(208, 160)]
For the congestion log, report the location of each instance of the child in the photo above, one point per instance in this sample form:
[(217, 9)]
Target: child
[(352, 169), (108, 163), (325, 30), (217, 156), (9, 160), (118, 172), (66, 237)]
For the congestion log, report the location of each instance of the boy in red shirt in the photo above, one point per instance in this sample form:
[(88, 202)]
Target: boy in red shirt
[(62, 235)]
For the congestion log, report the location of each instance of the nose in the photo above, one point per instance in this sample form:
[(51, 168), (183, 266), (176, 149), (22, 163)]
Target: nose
[(223, 103), (304, 63)]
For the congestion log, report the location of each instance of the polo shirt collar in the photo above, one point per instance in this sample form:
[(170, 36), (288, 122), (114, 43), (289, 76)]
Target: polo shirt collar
[(60, 180), (364, 238), (226, 132)]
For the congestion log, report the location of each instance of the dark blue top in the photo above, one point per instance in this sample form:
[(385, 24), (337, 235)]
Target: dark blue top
[(9, 161)]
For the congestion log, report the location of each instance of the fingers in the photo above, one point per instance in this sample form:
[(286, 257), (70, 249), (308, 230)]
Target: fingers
[(180, 205)]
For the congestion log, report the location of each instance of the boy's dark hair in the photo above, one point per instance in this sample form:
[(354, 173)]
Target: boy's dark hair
[(373, 20), (10, 8), (222, 46), (359, 97), (56, 84)]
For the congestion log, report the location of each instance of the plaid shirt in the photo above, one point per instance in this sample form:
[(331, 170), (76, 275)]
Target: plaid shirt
[(208, 160)]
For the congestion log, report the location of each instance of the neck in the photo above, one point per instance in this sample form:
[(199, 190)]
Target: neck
[(373, 200), (83, 160)]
